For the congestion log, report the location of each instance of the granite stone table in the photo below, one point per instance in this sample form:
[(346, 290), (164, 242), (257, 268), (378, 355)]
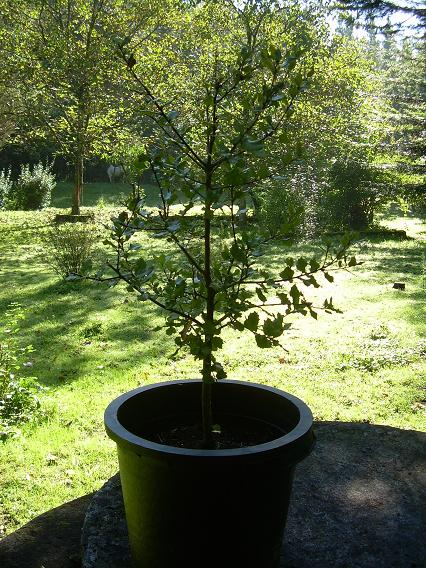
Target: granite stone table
[(359, 501)]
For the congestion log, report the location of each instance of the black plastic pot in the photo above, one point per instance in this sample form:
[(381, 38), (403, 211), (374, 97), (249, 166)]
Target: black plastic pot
[(192, 508)]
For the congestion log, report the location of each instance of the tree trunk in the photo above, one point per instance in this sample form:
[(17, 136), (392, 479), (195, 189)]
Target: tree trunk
[(208, 440), (78, 184)]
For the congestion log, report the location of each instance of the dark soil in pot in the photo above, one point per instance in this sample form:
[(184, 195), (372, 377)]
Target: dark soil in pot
[(229, 432)]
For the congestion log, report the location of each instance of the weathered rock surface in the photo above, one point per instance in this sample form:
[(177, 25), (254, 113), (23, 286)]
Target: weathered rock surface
[(359, 501), (104, 536)]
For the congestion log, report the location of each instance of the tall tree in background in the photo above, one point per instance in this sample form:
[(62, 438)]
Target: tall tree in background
[(7, 116), (62, 56), (398, 14), (403, 68)]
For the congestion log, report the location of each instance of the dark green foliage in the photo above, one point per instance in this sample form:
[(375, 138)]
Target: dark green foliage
[(33, 188), (281, 208), (355, 192)]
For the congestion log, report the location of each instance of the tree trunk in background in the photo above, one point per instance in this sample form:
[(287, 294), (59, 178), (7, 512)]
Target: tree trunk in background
[(78, 185)]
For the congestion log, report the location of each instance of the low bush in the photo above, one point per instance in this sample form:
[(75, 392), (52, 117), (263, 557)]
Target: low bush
[(33, 188), (68, 248), (354, 194), (18, 394), (280, 208)]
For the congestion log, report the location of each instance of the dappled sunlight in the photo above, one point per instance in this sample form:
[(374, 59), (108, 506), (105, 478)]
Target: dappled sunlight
[(358, 496), (92, 343)]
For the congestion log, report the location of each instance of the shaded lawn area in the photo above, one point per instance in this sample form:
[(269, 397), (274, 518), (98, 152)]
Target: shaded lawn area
[(92, 343), (100, 194)]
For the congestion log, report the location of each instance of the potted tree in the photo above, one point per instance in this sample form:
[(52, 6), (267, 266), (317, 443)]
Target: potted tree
[(206, 465)]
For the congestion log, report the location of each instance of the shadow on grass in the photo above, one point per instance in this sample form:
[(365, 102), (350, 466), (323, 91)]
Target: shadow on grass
[(395, 260), (51, 540), (71, 331)]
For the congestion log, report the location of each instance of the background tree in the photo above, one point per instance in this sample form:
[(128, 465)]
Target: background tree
[(371, 13), (339, 120), (64, 61)]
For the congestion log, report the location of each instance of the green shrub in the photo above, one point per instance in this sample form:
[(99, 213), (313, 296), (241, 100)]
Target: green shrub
[(68, 248), (355, 192), (280, 208), (18, 394), (5, 187), (33, 189)]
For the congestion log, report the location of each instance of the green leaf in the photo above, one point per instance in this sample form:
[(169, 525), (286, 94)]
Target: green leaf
[(328, 277), (239, 326), (287, 274), (253, 146), (217, 343), (301, 264), (237, 253), (273, 327), (352, 261), (139, 266), (252, 322), (283, 298), (263, 342), (261, 295), (295, 294)]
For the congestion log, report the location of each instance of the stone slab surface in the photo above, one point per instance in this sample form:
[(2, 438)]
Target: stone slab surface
[(359, 501)]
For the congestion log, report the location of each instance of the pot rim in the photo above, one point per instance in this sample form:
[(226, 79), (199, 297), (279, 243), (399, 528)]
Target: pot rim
[(116, 431)]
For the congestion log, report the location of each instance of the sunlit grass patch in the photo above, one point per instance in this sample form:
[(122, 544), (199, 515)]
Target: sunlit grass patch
[(92, 343)]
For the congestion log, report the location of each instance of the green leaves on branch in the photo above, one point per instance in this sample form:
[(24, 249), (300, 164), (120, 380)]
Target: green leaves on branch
[(256, 147), (252, 322)]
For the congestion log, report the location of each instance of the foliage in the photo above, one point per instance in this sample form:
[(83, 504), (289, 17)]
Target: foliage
[(18, 394), (33, 188), (354, 195), (7, 111), (281, 207), (371, 13), (5, 187), (68, 248), (62, 56), (405, 88), (336, 121), (234, 89)]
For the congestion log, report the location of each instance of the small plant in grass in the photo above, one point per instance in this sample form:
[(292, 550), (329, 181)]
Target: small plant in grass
[(19, 400), (68, 248), (206, 152)]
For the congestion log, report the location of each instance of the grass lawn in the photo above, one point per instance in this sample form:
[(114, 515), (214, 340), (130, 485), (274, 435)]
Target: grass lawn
[(100, 195), (92, 343)]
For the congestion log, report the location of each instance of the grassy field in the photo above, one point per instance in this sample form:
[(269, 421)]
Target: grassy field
[(92, 343), (100, 195)]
